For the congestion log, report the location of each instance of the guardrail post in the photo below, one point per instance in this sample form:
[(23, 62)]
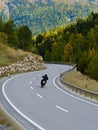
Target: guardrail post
[(82, 91)]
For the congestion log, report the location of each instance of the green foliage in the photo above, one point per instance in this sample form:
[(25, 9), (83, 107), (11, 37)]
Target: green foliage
[(68, 49), (9, 55), (20, 38), (10, 31), (3, 38), (57, 52), (25, 38), (1, 25), (73, 44), (83, 62), (92, 69), (39, 16), (70, 43), (39, 38)]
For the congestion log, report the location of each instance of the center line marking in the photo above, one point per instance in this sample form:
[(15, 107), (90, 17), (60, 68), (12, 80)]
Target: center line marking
[(62, 109), (39, 95), (30, 82), (31, 87)]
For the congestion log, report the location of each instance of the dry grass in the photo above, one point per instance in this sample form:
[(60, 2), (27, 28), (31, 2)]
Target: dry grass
[(79, 80), (6, 120), (9, 55)]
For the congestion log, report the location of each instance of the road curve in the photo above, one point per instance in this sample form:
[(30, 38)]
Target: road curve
[(48, 108)]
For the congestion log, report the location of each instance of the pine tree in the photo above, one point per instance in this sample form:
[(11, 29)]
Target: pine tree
[(25, 38), (92, 69), (9, 29)]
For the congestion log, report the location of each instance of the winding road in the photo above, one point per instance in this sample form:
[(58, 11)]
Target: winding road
[(48, 108)]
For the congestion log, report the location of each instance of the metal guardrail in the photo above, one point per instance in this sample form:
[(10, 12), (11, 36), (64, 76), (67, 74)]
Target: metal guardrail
[(84, 92)]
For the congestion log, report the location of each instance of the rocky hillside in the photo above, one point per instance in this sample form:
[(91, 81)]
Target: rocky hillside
[(17, 61), (29, 63), (40, 15)]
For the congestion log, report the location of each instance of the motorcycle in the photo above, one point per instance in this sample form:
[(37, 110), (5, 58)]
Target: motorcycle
[(44, 80), (43, 83)]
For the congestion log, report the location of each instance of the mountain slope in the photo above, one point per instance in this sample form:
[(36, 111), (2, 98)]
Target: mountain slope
[(41, 15)]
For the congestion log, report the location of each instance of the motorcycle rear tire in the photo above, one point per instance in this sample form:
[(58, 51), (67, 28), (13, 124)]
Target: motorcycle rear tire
[(42, 83)]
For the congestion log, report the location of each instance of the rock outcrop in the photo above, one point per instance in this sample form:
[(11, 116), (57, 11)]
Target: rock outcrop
[(29, 63)]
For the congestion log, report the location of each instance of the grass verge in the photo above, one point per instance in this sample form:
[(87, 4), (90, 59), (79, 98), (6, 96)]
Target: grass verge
[(79, 80), (7, 121)]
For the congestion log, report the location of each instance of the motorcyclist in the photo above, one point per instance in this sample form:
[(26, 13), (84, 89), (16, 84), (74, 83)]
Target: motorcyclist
[(45, 78)]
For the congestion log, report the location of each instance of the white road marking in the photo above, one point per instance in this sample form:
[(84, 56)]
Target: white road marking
[(30, 82), (65, 110), (16, 109), (80, 99), (34, 78), (31, 87), (39, 95), (32, 122)]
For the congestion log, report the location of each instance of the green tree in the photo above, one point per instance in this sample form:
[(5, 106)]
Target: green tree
[(41, 49), (39, 38), (83, 62), (57, 52), (92, 69), (47, 56), (9, 29), (48, 43), (78, 47), (2, 24), (3, 38), (25, 38), (91, 38), (91, 54), (68, 51), (96, 36)]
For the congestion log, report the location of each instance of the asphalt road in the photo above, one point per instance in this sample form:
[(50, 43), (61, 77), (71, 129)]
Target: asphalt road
[(48, 108)]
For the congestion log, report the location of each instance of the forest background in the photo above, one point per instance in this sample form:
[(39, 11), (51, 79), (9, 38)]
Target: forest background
[(74, 43), (63, 31), (47, 32), (42, 15)]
